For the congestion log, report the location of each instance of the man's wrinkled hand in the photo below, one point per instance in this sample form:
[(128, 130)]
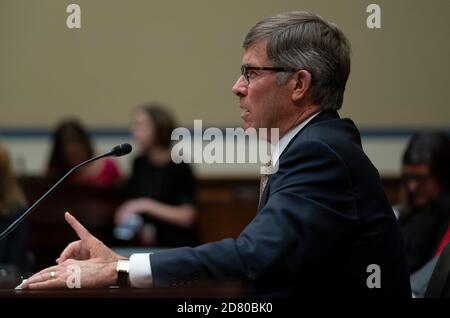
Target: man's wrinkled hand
[(93, 273), (90, 259), (88, 247)]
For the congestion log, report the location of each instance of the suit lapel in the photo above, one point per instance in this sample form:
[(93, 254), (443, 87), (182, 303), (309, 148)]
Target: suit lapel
[(324, 115)]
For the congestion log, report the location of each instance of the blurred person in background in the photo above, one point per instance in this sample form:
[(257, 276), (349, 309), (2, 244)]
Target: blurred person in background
[(72, 146), (12, 204), (161, 205), (425, 197)]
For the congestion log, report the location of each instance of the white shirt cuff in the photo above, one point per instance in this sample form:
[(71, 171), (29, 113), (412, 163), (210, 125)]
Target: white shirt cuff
[(141, 271)]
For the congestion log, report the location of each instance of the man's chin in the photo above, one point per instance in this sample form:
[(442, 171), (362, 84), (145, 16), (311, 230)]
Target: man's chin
[(247, 126), (421, 204)]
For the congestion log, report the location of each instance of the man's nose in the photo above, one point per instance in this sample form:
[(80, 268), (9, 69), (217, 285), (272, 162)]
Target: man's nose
[(412, 185), (240, 87)]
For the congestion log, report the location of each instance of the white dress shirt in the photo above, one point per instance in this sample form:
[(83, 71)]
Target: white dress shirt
[(286, 139), (140, 265)]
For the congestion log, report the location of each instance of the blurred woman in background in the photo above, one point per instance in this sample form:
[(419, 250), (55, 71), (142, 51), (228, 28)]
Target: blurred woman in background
[(12, 204), (71, 146), (159, 190)]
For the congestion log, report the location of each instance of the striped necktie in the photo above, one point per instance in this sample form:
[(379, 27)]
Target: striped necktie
[(265, 173)]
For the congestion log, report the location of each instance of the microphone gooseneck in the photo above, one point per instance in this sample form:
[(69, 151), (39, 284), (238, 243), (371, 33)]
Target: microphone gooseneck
[(119, 150)]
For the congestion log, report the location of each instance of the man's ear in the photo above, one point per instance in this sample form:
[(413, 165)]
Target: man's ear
[(302, 85)]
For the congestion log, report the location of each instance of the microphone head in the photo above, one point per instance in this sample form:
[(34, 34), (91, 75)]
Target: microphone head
[(121, 150)]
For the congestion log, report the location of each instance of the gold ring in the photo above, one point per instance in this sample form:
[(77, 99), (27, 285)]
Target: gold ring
[(52, 274)]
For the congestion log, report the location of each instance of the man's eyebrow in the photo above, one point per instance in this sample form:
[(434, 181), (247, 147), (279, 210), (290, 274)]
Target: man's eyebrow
[(248, 65)]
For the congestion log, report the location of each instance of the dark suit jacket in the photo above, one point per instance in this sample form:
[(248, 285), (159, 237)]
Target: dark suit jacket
[(323, 219)]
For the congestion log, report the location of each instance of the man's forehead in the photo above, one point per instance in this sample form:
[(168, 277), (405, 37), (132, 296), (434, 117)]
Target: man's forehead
[(420, 168), (257, 52)]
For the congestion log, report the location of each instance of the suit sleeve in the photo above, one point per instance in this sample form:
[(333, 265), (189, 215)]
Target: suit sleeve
[(309, 210)]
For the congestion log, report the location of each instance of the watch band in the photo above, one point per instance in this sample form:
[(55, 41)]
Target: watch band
[(123, 269)]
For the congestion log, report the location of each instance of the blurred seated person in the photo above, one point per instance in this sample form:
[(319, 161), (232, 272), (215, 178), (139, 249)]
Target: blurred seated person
[(425, 196), (161, 193), (71, 146), (12, 204)]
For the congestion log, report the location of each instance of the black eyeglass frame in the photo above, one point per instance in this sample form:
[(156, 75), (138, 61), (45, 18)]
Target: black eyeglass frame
[(245, 69), (421, 179)]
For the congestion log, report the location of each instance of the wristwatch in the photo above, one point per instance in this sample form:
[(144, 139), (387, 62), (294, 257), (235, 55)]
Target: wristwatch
[(123, 270)]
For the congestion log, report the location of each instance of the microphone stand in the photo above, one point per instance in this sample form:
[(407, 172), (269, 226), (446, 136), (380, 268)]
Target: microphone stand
[(19, 220)]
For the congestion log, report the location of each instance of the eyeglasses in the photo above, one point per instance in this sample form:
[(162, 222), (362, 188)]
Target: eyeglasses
[(407, 178), (249, 71)]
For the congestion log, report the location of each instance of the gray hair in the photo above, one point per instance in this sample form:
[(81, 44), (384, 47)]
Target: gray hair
[(302, 40)]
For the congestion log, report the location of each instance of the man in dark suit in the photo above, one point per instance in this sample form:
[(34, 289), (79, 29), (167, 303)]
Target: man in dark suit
[(324, 225)]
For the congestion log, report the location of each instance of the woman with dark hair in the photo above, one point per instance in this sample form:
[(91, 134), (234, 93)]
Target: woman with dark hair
[(71, 146), (161, 193), (12, 204), (425, 193)]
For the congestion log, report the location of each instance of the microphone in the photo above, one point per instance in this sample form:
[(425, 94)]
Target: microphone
[(117, 151), (120, 150)]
